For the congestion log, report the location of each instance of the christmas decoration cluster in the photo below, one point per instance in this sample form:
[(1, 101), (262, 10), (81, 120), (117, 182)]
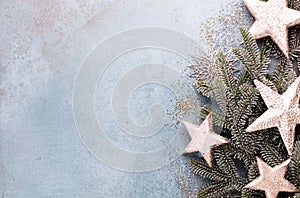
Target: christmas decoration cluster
[(257, 110)]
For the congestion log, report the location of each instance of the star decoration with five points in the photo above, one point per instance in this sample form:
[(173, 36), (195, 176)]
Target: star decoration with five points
[(273, 19), (203, 139), (283, 112), (271, 180)]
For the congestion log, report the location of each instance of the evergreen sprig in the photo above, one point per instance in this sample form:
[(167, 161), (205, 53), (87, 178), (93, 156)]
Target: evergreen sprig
[(205, 171), (294, 167), (255, 60), (236, 103), (223, 182)]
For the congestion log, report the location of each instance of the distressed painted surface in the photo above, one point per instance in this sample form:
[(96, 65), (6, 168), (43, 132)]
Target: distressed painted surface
[(43, 44)]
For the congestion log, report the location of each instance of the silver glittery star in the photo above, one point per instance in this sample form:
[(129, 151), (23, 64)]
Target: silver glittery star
[(283, 112), (203, 139), (273, 19), (271, 180)]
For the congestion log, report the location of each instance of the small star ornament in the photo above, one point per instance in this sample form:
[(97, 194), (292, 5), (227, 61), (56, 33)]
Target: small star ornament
[(203, 139), (283, 112), (272, 18), (271, 180)]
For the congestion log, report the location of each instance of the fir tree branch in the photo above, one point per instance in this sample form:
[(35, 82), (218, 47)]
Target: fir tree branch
[(283, 75), (253, 171), (214, 189), (255, 61), (270, 155), (297, 195), (247, 193), (224, 160), (240, 154), (203, 88), (294, 167), (223, 70), (205, 171), (218, 189), (294, 4)]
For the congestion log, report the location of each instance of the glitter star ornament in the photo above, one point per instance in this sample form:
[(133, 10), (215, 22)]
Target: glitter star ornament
[(283, 112), (272, 18), (271, 180), (203, 139)]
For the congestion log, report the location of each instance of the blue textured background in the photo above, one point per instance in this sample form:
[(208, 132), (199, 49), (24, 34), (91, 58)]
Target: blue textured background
[(43, 44)]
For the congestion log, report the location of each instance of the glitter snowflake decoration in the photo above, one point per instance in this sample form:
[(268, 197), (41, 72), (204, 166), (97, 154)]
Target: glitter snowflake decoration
[(204, 69)]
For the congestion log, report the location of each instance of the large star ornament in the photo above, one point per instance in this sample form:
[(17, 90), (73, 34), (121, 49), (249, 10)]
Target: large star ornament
[(203, 139), (283, 112), (271, 180), (273, 19)]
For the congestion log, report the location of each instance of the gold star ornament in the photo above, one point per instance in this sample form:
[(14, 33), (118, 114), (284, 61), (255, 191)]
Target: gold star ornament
[(283, 112), (272, 18), (203, 139), (271, 180)]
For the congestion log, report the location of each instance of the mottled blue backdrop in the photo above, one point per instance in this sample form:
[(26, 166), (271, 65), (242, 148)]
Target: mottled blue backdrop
[(45, 45)]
